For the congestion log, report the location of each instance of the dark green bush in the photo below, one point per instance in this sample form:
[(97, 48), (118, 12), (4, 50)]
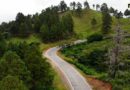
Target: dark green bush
[(95, 37), (95, 59)]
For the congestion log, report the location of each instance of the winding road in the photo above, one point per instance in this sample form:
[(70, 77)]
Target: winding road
[(75, 80)]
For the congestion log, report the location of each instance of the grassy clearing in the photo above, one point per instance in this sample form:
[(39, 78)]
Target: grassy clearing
[(30, 39)]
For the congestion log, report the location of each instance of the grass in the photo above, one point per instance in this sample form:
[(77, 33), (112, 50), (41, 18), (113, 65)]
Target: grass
[(58, 83), (30, 39), (83, 27), (90, 76), (75, 53)]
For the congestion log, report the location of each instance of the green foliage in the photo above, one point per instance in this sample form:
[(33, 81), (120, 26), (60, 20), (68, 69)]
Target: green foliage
[(95, 37), (54, 27), (92, 59), (93, 22), (127, 12), (96, 59), (119, 15), (12, 83), (68, 24), (86, 5), (40, 70), (106, 22), (79, 9), (85, 69), (11, 64), (3, 45), (104, 7), (22, 26), (63, 6)]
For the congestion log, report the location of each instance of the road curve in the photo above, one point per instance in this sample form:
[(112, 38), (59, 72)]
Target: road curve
[(75, 79)]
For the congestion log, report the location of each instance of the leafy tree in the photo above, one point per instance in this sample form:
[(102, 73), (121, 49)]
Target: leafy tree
[(12, 83), (11, 64), (63, 6), (86, 5), (93, 22)]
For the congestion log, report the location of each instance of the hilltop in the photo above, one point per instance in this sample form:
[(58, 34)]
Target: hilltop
[(83, 27)]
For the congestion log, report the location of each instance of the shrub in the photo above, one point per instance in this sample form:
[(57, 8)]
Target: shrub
[(95, 37)]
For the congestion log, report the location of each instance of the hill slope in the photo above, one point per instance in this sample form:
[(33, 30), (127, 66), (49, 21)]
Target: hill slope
[(83, 27)]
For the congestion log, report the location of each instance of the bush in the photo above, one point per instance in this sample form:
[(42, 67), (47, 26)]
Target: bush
[(95, 37), (95, 59)]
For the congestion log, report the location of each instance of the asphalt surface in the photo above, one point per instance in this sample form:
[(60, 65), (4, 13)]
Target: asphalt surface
[(75, 79)]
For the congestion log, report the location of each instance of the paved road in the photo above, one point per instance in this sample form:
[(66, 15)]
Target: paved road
[(74, 78)]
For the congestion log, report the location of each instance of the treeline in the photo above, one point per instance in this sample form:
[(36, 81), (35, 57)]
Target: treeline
[(54, 27), (23, 68), (50, 25)]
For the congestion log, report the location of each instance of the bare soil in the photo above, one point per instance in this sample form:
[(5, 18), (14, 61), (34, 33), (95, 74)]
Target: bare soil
[(98, 84)]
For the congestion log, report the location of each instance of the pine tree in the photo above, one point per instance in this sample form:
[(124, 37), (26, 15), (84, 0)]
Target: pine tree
[(106, 22), (86, 5), (79, 9)]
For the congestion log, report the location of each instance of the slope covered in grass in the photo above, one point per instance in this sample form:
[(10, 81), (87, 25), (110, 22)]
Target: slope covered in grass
[(83, 27), (92, 58)]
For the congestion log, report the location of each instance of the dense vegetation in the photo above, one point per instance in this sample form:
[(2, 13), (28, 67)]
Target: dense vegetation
[(92, 58), (49, 25), (102, 57), (22, 66)]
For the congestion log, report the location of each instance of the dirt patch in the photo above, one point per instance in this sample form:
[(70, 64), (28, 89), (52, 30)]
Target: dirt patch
[(98, 84)]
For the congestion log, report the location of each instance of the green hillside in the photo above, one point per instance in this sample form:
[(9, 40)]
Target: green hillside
[(83, 28), (92, 57)]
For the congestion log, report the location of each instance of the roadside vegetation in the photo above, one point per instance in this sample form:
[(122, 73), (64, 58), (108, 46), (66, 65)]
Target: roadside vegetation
[(22, 42), (105, 55)]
